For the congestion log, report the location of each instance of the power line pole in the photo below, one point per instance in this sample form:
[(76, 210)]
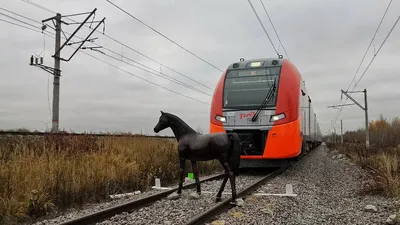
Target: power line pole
[(57, 74), (341, 131), (334, 135), (366, 119), (309, 116), (333, 126), (365, 108), (56, 71), (341, 121)]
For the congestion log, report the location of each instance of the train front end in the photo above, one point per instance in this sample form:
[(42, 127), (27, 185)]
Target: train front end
[(259, 100)]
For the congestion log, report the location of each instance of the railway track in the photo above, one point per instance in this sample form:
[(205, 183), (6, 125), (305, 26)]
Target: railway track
[(132, 205), (219, 208), (224, 205), (208, 208)]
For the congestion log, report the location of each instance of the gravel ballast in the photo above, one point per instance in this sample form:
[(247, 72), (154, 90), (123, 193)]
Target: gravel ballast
[(179, 211), (327, 185), (89, 209)]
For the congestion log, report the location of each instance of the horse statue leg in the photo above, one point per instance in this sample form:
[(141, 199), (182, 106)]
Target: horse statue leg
[(177, 195), (221, 189), (233, 185), (196, 177), (228, 173)]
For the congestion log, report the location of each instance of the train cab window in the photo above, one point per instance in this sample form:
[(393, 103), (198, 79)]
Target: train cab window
[(247, 88)]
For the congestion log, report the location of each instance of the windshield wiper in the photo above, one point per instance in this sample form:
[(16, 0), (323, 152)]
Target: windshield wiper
[(266, 100)]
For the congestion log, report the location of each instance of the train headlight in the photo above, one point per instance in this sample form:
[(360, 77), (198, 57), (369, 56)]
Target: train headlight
[(220, 118), (255, 64), (277, 117)]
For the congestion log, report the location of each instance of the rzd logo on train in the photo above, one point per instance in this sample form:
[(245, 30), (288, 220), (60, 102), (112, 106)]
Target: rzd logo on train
[(246, 115)]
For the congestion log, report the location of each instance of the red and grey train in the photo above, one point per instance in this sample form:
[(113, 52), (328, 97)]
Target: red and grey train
[(266, 102)]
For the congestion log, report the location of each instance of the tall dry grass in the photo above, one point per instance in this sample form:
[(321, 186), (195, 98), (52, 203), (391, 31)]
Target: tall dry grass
[(382, 157), (41, 174)]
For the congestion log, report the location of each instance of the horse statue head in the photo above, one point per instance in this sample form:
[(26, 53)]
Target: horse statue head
[(163, 122)]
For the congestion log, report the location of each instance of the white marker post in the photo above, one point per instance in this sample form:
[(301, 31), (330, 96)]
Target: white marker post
[(158, 182), (158, 185)]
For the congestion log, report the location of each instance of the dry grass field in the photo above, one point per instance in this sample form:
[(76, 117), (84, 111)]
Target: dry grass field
[(383, 156), (40, 174)]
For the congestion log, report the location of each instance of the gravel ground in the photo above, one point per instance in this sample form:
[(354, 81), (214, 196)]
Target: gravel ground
[(326, 189), (88, 209), (178, 211)]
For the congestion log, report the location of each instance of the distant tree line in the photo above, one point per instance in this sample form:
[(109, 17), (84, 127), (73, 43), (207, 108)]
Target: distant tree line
[(383, 132), (25, 130)]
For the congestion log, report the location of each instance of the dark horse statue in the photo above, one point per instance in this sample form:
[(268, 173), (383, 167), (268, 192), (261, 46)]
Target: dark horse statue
[(197, 147)]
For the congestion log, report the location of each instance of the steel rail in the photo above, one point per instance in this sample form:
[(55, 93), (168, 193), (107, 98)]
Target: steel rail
[(129, 206)]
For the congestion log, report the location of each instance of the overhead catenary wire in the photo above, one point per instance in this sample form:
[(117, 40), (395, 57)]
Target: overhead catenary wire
[(380, 47), (37, 5), (132, 74), (27, 18), (19, 25), (44, 35), (156, 61), (262, 25), (158, 32), (26, 23), (362, 60), (276, 33), (373, 58), (156, 73), (123, 44), (44, 42), (116, 67), (370, 43)]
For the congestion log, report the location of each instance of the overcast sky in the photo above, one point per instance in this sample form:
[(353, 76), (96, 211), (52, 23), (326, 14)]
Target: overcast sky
[(324, 39)]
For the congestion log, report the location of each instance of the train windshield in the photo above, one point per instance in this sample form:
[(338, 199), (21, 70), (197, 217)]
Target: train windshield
[(247, 88)]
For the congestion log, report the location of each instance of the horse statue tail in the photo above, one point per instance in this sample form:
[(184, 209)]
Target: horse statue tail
[(234, 160)]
